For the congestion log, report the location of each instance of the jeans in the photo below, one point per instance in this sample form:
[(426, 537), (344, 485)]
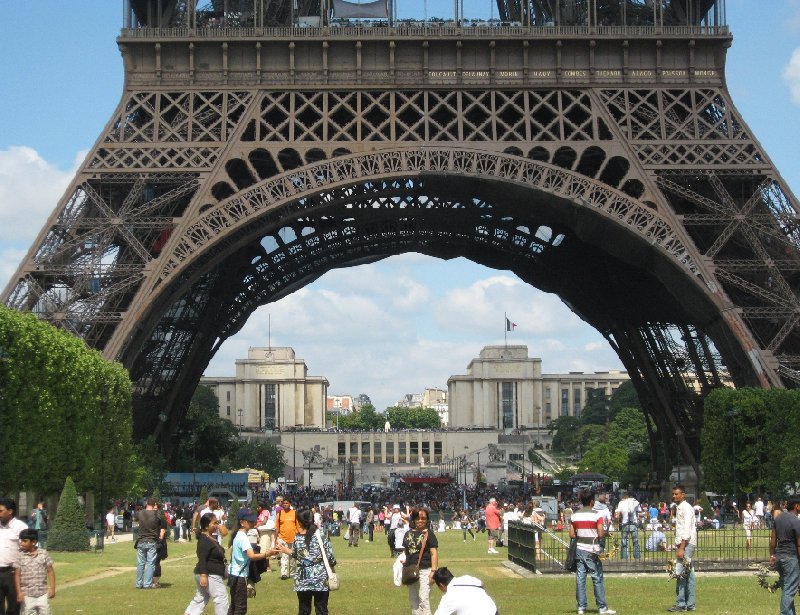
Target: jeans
[(789, 569), (8, 594), (320, 603), (629, 530), (419, 594), (145, 563), (215, 591), (589, 564), (684, 587)]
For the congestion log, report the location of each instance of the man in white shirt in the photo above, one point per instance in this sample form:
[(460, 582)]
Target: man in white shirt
[(627, 515), (354, 519), (214, 507), (463, 595), (10, 527), (685, 545), (758, 508)]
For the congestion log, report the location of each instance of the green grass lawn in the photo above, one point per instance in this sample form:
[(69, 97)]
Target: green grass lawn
[(103, 583)]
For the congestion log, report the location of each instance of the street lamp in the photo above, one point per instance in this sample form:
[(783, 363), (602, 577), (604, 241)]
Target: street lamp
[(733, 414), (241, 414)]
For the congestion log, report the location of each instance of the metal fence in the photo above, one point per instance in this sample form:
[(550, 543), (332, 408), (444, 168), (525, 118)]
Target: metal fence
[(722, 549)]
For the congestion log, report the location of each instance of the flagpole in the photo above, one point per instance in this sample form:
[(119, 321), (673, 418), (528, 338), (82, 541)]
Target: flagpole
[(505, 329)]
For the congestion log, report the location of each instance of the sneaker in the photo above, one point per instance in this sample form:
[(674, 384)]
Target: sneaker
[(607, 611), (676, 609), (581, 612)]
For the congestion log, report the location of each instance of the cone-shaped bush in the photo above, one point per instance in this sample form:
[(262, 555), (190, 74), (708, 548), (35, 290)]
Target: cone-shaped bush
[(203, 497), (233, 512), (68, 532)]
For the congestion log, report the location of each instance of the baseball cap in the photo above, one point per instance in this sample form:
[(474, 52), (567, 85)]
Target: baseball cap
[(245, 514), (397, 506)]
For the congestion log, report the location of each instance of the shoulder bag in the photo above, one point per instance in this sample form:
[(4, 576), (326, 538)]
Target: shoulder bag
[(411, 573), (333, 578), (571, 562)]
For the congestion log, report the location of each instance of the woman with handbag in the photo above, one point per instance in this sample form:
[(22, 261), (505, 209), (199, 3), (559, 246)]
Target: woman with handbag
[(422, 560), (210, 570), (315, 577)]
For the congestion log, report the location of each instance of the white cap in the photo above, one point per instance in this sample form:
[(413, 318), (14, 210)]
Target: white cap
[(396, 506)]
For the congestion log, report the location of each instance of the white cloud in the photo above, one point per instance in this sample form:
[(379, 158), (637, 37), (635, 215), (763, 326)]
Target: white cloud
[(593, 346), (480, 306), (30, 188), (791, 75)]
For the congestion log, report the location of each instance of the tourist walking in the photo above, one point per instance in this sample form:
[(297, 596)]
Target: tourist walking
[(493, 521), (748, 523), (587, 528), (285, 532), (311, 579), (422, 552), (209, 573)]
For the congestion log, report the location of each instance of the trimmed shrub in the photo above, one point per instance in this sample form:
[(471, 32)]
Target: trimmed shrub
[(233, 512), (203, 497), (68, 532)]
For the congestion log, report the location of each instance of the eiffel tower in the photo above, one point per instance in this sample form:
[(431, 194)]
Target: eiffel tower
[(589, 146)]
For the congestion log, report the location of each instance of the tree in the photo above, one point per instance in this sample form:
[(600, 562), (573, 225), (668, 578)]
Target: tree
[(204, 437), (413, 418), (68, 532), (72, 399), (203, 495), (233, 512), (565, 434), (596, 410), (147, 468), (752, 423), (256, 454), (622, 451)]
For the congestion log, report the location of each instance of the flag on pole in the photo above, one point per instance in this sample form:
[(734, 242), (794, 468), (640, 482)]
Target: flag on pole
[(510, 326)]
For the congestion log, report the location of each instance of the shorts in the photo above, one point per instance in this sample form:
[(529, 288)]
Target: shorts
[(494, 533)]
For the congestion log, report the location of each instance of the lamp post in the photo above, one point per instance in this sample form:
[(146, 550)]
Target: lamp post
[(733, 414), (478, 481), (294, 454), (103, 413), (240, 411)]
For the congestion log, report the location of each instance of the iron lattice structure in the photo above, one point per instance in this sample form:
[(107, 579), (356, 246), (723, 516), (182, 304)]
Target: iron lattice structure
[(606, 164)]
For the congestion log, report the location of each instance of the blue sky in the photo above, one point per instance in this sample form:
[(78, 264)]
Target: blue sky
[(385, 329)]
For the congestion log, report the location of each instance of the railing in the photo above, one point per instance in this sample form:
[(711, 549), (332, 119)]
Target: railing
[(402, 30), (722, 549)]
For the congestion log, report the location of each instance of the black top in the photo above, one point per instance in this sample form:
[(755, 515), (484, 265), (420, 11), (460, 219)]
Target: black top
[(149, 525), (787, 529), (210, 557), (412, 543)]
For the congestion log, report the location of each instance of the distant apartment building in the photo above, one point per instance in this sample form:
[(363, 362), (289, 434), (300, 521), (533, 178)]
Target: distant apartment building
[(271, 390), (431, 397), (343, 404), (505, 389)]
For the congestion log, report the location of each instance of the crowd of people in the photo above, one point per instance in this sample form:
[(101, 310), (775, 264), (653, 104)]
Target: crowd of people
[(293, 530)]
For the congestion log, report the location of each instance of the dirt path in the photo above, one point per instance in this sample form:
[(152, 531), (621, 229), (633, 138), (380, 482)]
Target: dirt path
[(115, 571)]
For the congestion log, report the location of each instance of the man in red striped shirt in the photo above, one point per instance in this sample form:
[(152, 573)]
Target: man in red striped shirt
[(587, 528)]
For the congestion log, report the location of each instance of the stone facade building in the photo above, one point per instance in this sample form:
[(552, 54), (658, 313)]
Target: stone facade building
[(271, 391), (505, 389)]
